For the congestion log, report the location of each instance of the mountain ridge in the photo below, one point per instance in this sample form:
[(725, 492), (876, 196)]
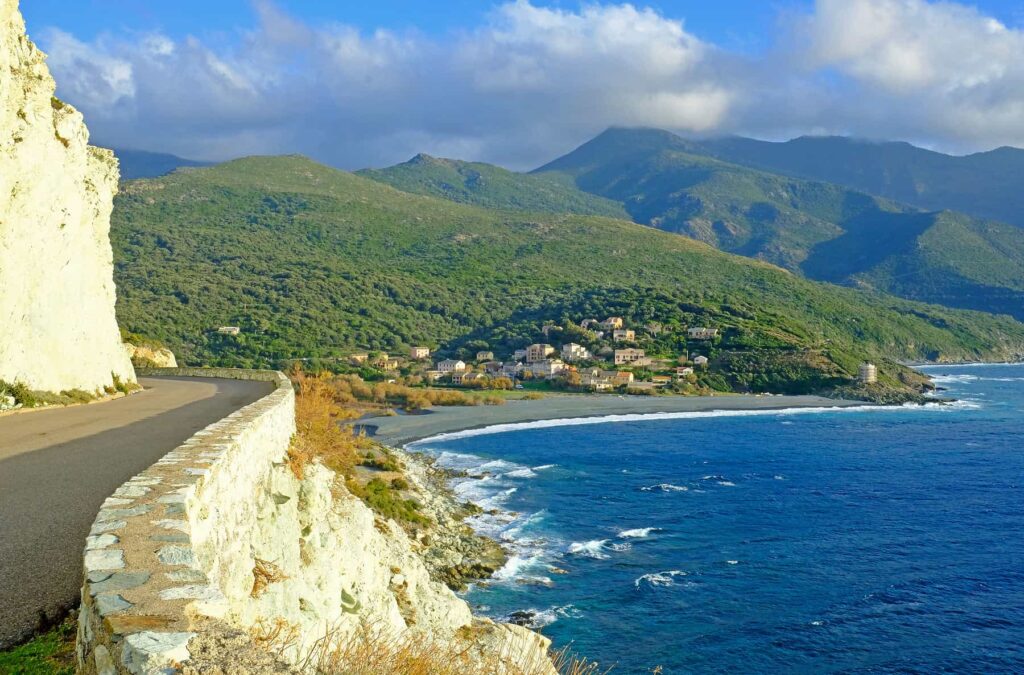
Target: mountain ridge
[(313, 262)]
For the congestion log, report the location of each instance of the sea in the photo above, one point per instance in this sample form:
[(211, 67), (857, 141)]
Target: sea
[(864, 540)]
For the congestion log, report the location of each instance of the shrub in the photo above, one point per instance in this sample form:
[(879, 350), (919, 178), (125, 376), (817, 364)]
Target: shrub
[(383, 499)]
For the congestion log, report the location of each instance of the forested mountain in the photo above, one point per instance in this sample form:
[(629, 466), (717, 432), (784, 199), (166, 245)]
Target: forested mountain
[(984, 185), (313, 262), (492, 186), (821, 230)]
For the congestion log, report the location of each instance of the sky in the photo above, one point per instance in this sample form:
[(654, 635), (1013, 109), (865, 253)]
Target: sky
[(519, 82)]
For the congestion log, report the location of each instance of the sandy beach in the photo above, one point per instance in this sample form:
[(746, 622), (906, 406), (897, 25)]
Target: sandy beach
[(401, 429)]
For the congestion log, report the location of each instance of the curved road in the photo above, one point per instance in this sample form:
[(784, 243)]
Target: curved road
[(56, 468)]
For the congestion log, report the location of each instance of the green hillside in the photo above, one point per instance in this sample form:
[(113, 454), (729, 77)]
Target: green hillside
[(984, 185), (314, 262), (821, 230), (492, 187)]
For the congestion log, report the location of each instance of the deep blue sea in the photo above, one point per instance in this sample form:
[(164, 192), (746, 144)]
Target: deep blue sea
[(829, 541)]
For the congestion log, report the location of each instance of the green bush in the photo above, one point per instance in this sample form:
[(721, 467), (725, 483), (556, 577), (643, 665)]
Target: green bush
[(384, 499)]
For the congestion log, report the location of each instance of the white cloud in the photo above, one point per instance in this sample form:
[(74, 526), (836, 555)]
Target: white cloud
[(937, 71), (531, 81)]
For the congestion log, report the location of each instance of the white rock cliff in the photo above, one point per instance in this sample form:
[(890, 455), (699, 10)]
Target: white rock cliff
[(57, 324)]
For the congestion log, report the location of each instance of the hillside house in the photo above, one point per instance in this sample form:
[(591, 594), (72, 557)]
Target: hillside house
[(612, 322), (385, 362), (662, 379), (546, 369), (519, 355), (634, 357), (512, 370), (702, 333), (624, 335), (229, 330), (463, 378), (358, 359), (538, 352), (450, 366), (574, 352), (484, 356), (622, 377), (596, 380), (587, 323), (419, 353), (683, 371), (492, 367), (700, 361)]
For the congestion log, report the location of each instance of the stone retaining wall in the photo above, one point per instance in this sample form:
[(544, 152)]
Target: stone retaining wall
[(161, 544)]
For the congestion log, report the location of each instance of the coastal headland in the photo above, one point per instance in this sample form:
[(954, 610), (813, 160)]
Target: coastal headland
[(401, 429)]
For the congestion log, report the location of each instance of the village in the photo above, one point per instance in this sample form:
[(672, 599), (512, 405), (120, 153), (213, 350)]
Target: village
[(612, 363)]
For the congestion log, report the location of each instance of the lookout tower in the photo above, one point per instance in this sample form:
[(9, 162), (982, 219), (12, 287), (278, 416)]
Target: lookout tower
[(868, 373)]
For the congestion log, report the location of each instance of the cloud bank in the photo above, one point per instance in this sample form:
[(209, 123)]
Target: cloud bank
[(532, 82)]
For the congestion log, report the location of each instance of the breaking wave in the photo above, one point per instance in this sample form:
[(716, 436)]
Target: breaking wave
[(639, 533)]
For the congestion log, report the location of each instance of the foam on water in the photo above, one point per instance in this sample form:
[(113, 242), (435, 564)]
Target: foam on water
[(664, 487), (658, 579), (647, 417), (639, 533), (595, 548)]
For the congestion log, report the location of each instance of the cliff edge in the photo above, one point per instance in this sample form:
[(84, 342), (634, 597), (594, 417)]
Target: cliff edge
[(57, 325)]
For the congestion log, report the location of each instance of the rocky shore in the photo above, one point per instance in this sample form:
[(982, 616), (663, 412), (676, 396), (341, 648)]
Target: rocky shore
[(452, 551)]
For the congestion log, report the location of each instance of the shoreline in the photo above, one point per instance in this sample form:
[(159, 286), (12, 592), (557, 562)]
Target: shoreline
[(401, 430)]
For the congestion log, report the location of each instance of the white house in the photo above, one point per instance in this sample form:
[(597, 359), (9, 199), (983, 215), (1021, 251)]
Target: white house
[(701, 361), (623, 356), (546, 368), (574, 352), (623, 335), (229, 330), (702, 333), (451, 366)]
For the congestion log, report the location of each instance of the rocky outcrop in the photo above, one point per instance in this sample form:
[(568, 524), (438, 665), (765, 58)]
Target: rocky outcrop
[(57, 325), (149, 356), (219, 558)]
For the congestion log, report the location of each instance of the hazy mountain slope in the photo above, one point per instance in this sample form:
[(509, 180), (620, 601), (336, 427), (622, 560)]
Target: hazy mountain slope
[(986, 184), (492, 186), (143, 164), (824, 231), (311, 261)]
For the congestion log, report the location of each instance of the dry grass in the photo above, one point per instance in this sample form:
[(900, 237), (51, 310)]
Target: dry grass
[(319, 429), (265, 573), (373, 650), (567, 663)]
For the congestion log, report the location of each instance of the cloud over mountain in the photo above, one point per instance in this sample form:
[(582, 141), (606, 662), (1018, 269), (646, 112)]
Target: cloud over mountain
[(530, 81)]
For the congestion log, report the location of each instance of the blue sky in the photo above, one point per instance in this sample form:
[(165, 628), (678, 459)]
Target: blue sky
[(735, 23), (516, 82)]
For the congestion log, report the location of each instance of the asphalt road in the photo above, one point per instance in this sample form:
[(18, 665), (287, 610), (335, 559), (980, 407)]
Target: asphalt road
[(56, 468)]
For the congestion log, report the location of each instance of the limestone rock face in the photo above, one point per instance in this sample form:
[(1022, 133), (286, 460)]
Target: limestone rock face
[(57, 324), (146, 356)]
